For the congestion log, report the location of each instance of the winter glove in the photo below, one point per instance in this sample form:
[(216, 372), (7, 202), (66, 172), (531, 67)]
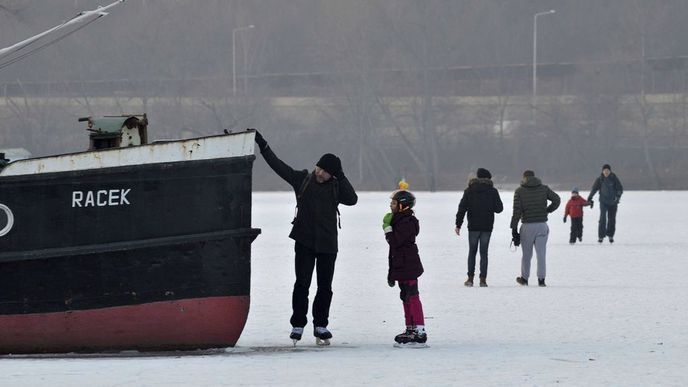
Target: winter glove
[(515, 237), (591, 203), (391, 283), (564, 218), (262, 144), (387, 222)]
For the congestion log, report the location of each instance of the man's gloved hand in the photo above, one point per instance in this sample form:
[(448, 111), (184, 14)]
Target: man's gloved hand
[(387, 222), (262, 144), (515, 237), (339, 172), (564, 218), (391, 283), (591, 203)]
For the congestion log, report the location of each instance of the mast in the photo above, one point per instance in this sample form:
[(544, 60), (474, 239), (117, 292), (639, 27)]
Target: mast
[(81, 20)]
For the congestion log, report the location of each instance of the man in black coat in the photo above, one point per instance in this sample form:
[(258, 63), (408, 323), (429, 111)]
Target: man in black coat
[(610, 193), (481, 201), (318, 193)]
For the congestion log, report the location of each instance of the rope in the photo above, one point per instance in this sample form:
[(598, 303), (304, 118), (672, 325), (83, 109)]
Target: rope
[(46, 45)]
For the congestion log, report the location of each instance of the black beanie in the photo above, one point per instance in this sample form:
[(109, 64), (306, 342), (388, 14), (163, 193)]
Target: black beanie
[(528, 173), (484, 174), (607, 166), (330, 163)]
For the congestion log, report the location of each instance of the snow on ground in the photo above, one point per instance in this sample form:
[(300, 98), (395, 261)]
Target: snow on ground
[(611, 315)]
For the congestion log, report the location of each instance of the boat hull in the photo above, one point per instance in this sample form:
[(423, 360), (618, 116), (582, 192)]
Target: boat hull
[(146, 255), (195, 323)]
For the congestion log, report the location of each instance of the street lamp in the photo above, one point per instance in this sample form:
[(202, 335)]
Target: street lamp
[(234, 31), (551, 11)]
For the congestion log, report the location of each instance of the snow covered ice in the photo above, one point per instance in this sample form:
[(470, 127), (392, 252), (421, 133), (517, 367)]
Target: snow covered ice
[(611, 314)]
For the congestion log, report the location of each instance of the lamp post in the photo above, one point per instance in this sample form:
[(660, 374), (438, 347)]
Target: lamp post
[(551, 11), (234, 31)]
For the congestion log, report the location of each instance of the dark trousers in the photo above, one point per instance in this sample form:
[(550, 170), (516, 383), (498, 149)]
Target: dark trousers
[(576, 230), (607, 225), (476, 238), (306, 260)]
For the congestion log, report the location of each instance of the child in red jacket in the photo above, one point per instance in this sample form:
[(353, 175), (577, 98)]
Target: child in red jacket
[(574, 208), (401, 228)]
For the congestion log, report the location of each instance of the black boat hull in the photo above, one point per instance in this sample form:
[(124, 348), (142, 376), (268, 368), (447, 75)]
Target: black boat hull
[(147, 256)]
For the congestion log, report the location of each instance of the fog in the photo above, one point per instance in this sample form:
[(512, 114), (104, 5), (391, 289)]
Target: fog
[(426, 90)]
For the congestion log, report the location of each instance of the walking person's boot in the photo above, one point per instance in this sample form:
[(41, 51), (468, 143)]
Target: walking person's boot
[(469, 281), (483, 282), (522, 281), (541, 282)]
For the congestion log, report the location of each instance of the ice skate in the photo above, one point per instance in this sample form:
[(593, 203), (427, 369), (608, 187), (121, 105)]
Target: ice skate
[(296, 334), (322, 336), (405, 337), (412, 338)]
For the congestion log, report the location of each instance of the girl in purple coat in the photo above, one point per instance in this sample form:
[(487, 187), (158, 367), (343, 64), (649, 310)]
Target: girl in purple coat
[(401, 229)]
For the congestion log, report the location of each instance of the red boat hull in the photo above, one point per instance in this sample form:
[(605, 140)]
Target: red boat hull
[(197, 323)]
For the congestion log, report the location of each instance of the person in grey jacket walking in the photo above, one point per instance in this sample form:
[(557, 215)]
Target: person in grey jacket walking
[(610, 193), (531, 208)]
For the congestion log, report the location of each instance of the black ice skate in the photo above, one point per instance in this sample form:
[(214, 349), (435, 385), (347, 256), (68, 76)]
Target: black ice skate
[(412, 338), (322, 336), (406, 337), (296, 333)]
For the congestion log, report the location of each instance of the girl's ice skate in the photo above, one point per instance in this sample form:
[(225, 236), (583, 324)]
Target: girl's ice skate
[(412, 338)]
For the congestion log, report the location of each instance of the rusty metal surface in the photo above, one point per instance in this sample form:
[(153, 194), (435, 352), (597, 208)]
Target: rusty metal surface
[(204, 148)]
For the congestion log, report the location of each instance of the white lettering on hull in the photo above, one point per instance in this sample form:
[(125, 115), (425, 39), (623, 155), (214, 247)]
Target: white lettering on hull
[(10, 220), (100, 198)]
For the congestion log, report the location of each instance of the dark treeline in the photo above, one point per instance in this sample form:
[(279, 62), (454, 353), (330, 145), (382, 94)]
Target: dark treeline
[(433, 140)]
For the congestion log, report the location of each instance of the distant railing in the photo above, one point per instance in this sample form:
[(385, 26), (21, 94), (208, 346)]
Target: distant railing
[(663, 75)]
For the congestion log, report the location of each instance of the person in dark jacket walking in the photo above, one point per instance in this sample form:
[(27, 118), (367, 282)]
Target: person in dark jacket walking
[(481, 201), (574, 209), (318, 193), (401, 229), (610, 193), (530, 207)]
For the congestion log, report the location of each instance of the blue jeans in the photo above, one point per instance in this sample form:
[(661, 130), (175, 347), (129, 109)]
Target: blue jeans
[(607, 226), (476, 238)]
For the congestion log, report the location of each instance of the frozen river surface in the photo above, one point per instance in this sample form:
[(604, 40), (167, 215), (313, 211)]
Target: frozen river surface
[(611, 315)]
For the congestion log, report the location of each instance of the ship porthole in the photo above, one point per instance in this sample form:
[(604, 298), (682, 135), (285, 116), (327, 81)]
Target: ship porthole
[(10, 220)]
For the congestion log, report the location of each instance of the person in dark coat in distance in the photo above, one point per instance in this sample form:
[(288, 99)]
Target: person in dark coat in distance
[(530, 207), (611, 190), (481, 201), (318, 194), (401, 229)]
